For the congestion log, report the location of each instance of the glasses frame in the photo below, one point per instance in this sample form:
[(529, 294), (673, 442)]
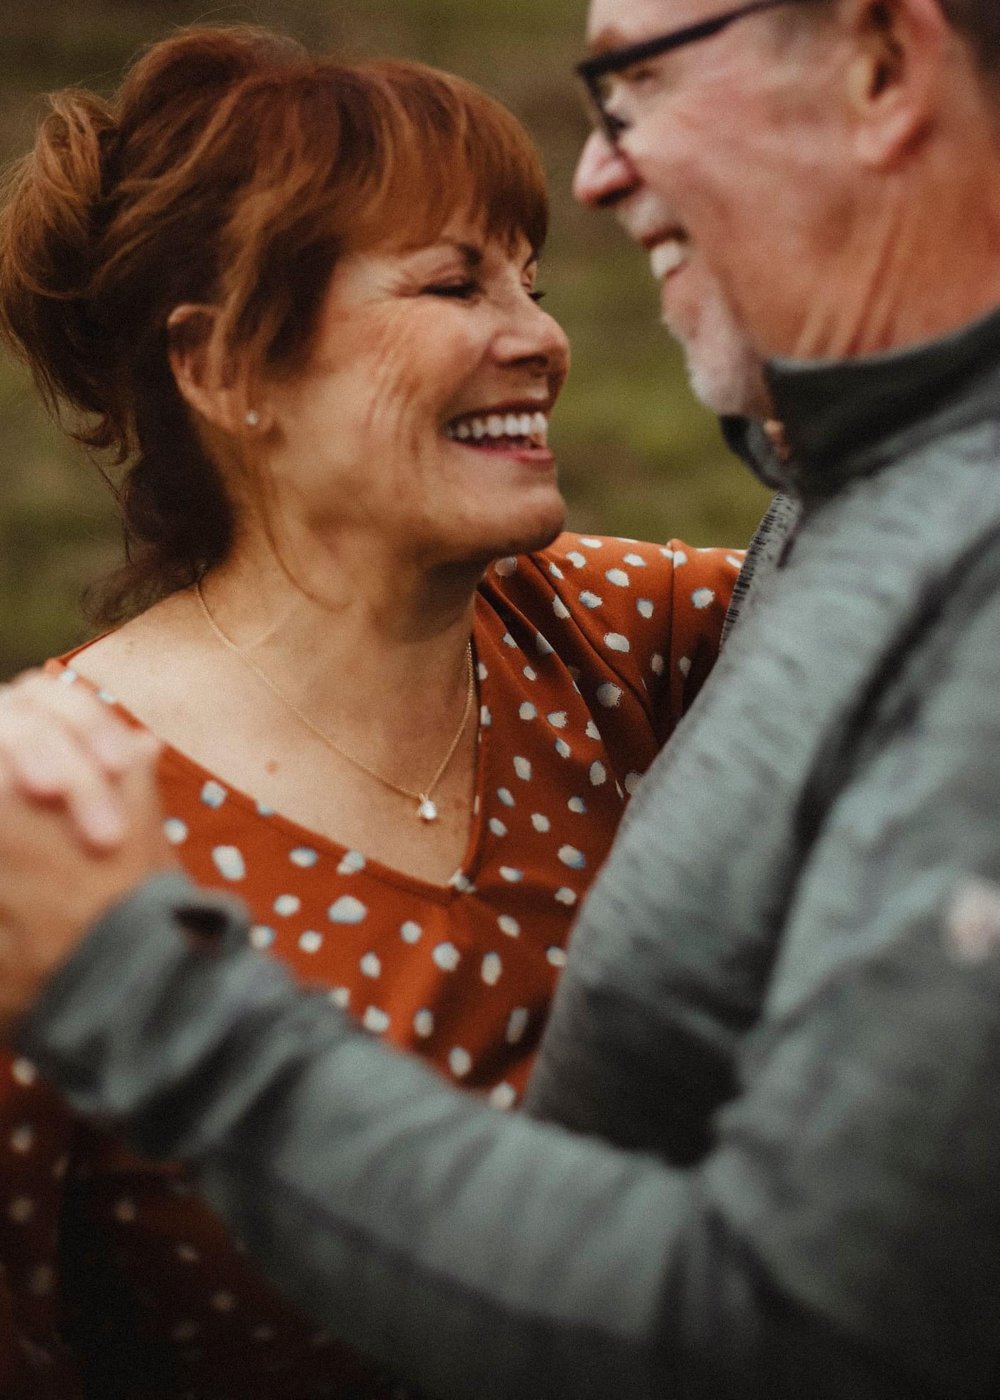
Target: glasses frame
[(592, 70)]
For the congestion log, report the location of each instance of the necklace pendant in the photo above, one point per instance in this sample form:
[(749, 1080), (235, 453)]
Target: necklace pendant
[(427, 811)]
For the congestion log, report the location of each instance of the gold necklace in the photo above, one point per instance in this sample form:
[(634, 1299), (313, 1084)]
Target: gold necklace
[(426, 808)]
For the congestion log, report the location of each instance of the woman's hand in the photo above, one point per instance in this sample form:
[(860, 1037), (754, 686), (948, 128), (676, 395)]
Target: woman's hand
[(80, 826)]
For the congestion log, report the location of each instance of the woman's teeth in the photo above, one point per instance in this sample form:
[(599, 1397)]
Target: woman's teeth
[(477, 427)]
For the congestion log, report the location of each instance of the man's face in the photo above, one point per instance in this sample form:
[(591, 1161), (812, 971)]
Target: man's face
[(717, 176)]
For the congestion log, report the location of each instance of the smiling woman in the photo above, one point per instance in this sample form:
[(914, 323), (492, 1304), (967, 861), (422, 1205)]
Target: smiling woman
[(401, 714)]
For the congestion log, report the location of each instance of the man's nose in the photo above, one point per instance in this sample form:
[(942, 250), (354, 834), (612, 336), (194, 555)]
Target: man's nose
[(603, 173)]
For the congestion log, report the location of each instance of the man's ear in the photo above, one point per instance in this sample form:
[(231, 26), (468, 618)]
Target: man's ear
[(205, 376), (896, 74)]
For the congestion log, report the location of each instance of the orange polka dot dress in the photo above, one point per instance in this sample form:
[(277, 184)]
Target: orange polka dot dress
[(118, 1282)]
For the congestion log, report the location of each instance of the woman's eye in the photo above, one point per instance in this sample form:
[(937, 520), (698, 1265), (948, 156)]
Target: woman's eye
[(463, 291), (536, 295)]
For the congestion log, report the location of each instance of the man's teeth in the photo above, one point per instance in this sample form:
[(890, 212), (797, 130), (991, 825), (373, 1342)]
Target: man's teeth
[(534, 426), (668, 256)]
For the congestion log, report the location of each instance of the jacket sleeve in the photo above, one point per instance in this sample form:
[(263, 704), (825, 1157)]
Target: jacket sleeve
[(839, 1238)]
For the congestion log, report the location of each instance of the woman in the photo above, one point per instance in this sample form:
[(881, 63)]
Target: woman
[(400, 717)]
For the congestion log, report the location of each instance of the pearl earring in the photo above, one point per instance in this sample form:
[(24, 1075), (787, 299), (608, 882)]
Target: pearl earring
[(251, 418)]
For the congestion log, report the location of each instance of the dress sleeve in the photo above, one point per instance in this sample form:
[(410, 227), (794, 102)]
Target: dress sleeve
[(636, 617)]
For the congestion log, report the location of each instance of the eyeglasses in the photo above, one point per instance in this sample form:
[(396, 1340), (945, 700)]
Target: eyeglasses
[(599, 74)]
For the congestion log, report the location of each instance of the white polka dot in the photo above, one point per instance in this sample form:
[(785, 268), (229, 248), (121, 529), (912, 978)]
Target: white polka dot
[(263, 810), (618, 577), (506, 796), (557, 719), (503, 1095), (522, 767), (609, 695), (481, 671), (447, 957), (352, 862), (371, 965), (410, 931), (508, 640), (509, 925), (459, 1061), (566, 896), (577, 804), (734, 560), (556, 956), (261, 936), (347, 910), (213, 794), (632, 781), (20, 1210), (656, 664), (460, 881), (563, 749), (540, 822), (569, 855), (555, 570), (591, 600), (303, 856), (497, 827), (577, 559), (542, 645), (517, 1024), (617, 641), (175, 830), (702, 597), (229, 862), (22, 1139), (23, 1072), (310, 941), (645, 607), (680, 558), (511, 874), (560, 609), (598, 774), (187, 1254), (592, 731), (492, 969), (223, 1301), (41, 1280), (375, 1020), (184, 1331), (530, 674), (636, 560), (506, 567), (263, 1333), (423, 1023), (527, 710), (287, 904), (485, 717), (684, 665), (589, 542), (125, 1210)]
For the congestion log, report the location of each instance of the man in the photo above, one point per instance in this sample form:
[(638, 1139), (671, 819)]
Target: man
[(783, 1020)]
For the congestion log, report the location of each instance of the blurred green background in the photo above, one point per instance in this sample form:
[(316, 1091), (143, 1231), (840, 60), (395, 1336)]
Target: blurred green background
[(637, 456)]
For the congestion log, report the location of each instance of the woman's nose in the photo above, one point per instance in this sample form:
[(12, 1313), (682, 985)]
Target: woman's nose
[(535, 338)]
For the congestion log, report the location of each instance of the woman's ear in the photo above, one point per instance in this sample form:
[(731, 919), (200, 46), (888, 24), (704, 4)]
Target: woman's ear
[(205, 376)]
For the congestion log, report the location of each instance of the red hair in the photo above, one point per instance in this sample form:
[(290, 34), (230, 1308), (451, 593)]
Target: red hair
[(232, 168)]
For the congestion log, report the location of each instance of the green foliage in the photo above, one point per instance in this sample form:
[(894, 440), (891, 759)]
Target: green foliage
[(637, 456)]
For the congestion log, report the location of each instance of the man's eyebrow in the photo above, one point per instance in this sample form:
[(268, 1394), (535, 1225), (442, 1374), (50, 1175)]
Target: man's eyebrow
[(609, 36)]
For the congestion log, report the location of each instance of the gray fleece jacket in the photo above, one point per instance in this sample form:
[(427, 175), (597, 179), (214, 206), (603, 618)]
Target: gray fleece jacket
[(764, 1159)]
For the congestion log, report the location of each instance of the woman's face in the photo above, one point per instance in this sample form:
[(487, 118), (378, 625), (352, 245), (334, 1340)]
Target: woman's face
[(420, 420)]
